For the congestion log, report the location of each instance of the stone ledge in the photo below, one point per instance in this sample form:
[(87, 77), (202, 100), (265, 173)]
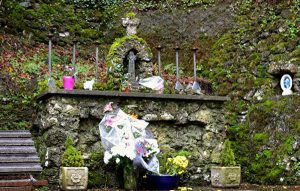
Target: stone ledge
[(96, 93)]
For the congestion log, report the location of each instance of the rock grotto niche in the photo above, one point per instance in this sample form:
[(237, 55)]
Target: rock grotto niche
[(129, 60)]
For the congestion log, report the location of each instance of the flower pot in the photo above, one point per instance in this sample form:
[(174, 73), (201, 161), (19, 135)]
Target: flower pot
[(73, 178), (162, 182), (69, 82), (223, 176)]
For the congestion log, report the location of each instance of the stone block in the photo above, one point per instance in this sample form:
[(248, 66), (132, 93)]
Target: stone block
[(202, 116), (282, 68), (73, 178), (225, 176)]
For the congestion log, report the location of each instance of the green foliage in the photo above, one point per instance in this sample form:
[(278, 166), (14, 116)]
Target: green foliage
[(42, 86), (74, 16), (84, 69), (71, 157), (171, 69), (130, 15), (227, 155), (261, 137), (192, 3), (169, 88), (96, 177), (43, 188), (292, 31)]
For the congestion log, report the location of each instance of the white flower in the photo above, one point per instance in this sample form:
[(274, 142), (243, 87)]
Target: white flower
[(130, 153), (118, 150), (117, 160), (107, 157)]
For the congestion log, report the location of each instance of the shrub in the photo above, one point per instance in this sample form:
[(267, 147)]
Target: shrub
[(72, 157), (227, 155)]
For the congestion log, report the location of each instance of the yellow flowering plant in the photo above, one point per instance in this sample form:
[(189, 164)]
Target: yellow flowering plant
[(173, 163), (176, 165)]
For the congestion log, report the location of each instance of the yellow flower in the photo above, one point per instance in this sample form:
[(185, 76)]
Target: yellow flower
[(10, 69), (134, 116)]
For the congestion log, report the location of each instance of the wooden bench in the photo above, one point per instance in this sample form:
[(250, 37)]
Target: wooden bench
[(18, 162)]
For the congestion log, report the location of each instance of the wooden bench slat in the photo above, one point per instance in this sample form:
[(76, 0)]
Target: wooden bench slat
[(22, 182), (24, 188)]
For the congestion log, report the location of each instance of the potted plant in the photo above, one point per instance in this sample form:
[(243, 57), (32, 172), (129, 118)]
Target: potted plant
[(69, 78), (73, 176), (228, 174), (172, 165)]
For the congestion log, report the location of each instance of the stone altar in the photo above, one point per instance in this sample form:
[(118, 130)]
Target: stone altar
[(193, 123)]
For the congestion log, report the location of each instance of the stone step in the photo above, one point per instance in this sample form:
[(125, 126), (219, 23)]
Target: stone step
[(20, 167), (17, 153), (18, 158), (15, 134), (16, 141), (17, 150)]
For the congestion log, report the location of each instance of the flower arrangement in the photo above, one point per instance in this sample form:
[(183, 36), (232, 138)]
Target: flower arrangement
[(119, 154), (146, 148), (123, 136), (126, 143), (69, 70)]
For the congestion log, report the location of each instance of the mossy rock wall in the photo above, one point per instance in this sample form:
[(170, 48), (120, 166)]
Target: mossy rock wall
[(267, 142)]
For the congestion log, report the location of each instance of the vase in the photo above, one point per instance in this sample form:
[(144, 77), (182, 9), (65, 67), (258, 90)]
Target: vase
[(69, 82), (162, 182), (129, 177)]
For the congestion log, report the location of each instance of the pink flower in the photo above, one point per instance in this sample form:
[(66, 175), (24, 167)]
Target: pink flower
[(139, 148), (108, 107), (109, 121), (69, 70)]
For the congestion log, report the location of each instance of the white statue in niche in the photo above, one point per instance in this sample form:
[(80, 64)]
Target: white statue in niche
[(286, 83)]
